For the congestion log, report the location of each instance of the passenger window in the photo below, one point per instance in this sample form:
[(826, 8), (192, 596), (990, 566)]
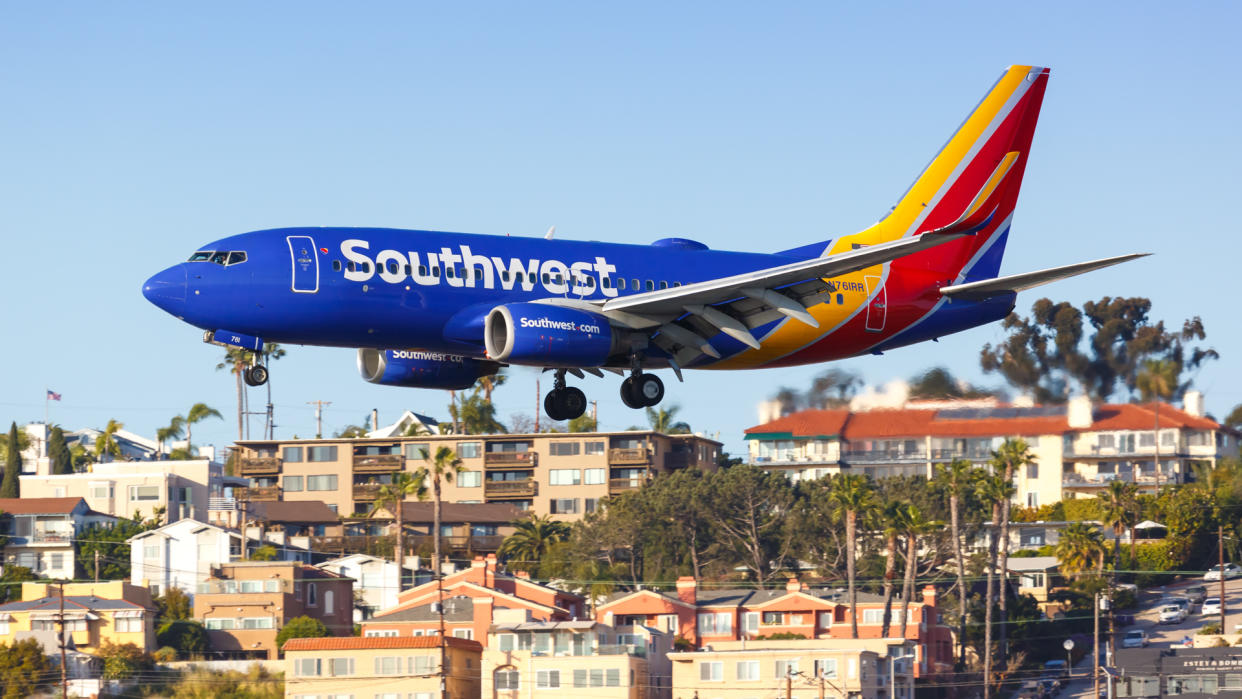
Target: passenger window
[(663, 285), (519, 277), (546, 279), (392, 267), (366, 267), (351, 266), (336, 265), (435, 271), (422, 270), (637, 286), (650, 285), (590, 282), (450, 273), (607, 283), (504, 276), (407, 270), (621, 283), (237, 257), (676, 284), (556, 278)]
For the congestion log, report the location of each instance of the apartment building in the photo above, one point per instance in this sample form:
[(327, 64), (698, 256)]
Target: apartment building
[(707, 616), (1079, 446), (244, 604), (796, 669), (466, 529), (563, 475), (578, 658), (95, 613), (183, 489), (380, 668), (40, 532)]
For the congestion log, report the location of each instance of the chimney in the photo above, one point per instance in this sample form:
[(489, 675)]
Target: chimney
[(1192, 403), (523, 574), (374, 420), (792, 585), (1080, 413), (929, 595), (687, 589)]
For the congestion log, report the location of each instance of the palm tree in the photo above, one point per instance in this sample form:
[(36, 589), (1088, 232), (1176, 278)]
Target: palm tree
[(198, 413), (1157, 380), (1080, 549), (271, 352), (491, 383), (914, 525), (1118, 509), (664, 420), (852, 497), (390, 498), (890, 517), (441, 467), (106, 444), (531, 540), (235, 360), (175, 429), (958, 479), (993, 489), (1012, 455)]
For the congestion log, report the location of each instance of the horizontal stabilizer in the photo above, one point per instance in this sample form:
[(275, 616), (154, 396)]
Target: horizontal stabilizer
[(974, 291)]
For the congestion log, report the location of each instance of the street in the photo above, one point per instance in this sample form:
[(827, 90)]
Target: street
[(1162, 635)]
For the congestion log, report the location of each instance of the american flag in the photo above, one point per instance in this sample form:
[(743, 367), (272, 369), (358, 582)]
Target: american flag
[(52, 395)]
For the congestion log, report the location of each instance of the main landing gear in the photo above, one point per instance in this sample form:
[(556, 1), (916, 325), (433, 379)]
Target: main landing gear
[(638, 390), (564, 402)]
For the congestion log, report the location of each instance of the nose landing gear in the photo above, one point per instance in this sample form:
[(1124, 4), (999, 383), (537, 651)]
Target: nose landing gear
[(564, 402), (255, 375)]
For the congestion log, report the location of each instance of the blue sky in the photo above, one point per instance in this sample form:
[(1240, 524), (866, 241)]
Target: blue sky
[(133, 132)]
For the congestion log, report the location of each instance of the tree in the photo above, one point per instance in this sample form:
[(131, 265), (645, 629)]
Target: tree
[(852, 497), (173, 605), (833, 388), (1119, 507), (913, 525), (890, 518), (106, 444), (198, 413), (1081, 549), (23, 442), (532, 538), (123, 660), (9, 487), (58, 452), (664, 420), (994, 489), (1043, 355), (390, 496), (175, 428), (682, 500), (748, 507), (440, 468), (23, 667), (491, 383), (583, 423), (11, 582), (301, 627), (1012, 455), (1157, 381), (476, 414), (939, 383), (266, 552), (187, 636), (354, 431), (111, 545), (957, 478), (236, 360)]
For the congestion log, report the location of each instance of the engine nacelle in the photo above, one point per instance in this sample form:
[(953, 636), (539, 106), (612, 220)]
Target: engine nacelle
[(422, 369), (544, 335)]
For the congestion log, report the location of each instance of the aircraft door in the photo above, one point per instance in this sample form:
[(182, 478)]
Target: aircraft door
[(877, 308), (305, 264)]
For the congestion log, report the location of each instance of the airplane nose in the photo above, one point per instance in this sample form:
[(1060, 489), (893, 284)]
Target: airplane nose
[(166, 289)]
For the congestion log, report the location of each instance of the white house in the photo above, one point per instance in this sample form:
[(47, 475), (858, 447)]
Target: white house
[(180, 555), (375, 581)]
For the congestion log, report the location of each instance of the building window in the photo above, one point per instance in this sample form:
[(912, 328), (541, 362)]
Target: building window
[(102, 491), (565, 448), (715, 624), (773, 618), (293, 455), (467, 634), (711, 671), (129, 625), (825, 620), (328, 599), (321, 454), (564, 476), (257, 622), (387, 665), (564, 506), (292, 484), (748, 670), (593, 448), (589, 505), (312, 595), (547, 679), (470, 479), (143, 493), (785, 668), (341, 667), (417, 452), (595, 476), (507, 679), (308, 667), (380, 633), (826, 668), (1192, 684), (469, 450), (421, 665), (1032, 471), (321, 482)]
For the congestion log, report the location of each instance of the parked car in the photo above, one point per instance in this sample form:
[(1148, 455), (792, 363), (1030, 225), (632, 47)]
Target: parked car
[(1231, 571), (1211, 607), (1195, 593), (1135, 639), (1170, 614), (1056, 668), (1180, 602)]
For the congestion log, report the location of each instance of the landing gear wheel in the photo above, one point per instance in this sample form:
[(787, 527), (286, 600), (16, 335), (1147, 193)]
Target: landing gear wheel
[(565, 403), (629, 396), (255, 375), (649, 389), (551, 405)]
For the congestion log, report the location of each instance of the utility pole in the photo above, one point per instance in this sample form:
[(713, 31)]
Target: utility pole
[(443, 641), (1220, 547), (64, 664), (595, 414), (245, 548), (1095, 671), (96, 565), (538, 409), (788, 681), (319, 405)]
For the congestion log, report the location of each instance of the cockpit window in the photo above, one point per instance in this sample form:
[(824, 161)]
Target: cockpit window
[(220, 258), (237, 257), (201, 256), (224, 258)]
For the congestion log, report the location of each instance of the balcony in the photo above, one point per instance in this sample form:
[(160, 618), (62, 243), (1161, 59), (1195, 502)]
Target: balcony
[(884, 456), (382, 545), (939, 455), (527, 488), (622, 457), (266, 493), (367, 491), (221, 504), (1076, 480), (250, 466), (58, 533), (620, 485), (498, 460), (378, 463), (245, 587)]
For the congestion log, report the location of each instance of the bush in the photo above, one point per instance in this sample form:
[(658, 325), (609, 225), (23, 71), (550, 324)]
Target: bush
[(187, 638), (1081, 509), (256, 683), (166, 654), (681, 644), (301, 627), (1209, 629), (123, 660), (781, 636), (22, 667)]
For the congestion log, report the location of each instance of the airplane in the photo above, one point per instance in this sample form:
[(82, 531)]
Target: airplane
[(440, 310)]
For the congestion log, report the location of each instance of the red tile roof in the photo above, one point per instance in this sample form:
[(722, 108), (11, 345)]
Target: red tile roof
[(1142, 416), (375, 643), (806, 423), (38, 506)]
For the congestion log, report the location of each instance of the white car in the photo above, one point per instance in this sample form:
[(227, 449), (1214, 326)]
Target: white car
[(1134, 639), (1169, 614), (1232, 570), (1211, 607)]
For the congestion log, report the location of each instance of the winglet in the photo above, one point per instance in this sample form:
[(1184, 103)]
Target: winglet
[(975, 291)]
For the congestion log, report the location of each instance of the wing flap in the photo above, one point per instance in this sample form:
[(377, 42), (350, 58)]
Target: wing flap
[(975, 291)]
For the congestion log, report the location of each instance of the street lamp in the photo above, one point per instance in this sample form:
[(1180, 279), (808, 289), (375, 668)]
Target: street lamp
[(1069, 657)]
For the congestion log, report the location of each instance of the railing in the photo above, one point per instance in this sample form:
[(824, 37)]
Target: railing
[(383, 545), (629, 456), (617, 485), (52, 535), (245, 587), (967, 454), (266, 493), (378, 462), (629, 649), (512, 489), (510, 459), (884, 455), (367, 491), (258, 465), (221, 504), (1075, 480)]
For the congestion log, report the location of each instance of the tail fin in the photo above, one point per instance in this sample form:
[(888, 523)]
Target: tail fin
[(972, 184)]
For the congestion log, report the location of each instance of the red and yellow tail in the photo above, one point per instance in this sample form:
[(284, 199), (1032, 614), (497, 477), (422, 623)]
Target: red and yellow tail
[(971, 185)]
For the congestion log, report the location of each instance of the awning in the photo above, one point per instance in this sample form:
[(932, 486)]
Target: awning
[(127, 614), (1148, 524)]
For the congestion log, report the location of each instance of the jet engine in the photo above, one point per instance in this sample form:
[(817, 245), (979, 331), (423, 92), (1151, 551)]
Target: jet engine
[(421, 369), (544, 335)]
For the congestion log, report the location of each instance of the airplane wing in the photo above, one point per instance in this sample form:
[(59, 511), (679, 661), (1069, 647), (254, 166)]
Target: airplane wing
[(975, 291)]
